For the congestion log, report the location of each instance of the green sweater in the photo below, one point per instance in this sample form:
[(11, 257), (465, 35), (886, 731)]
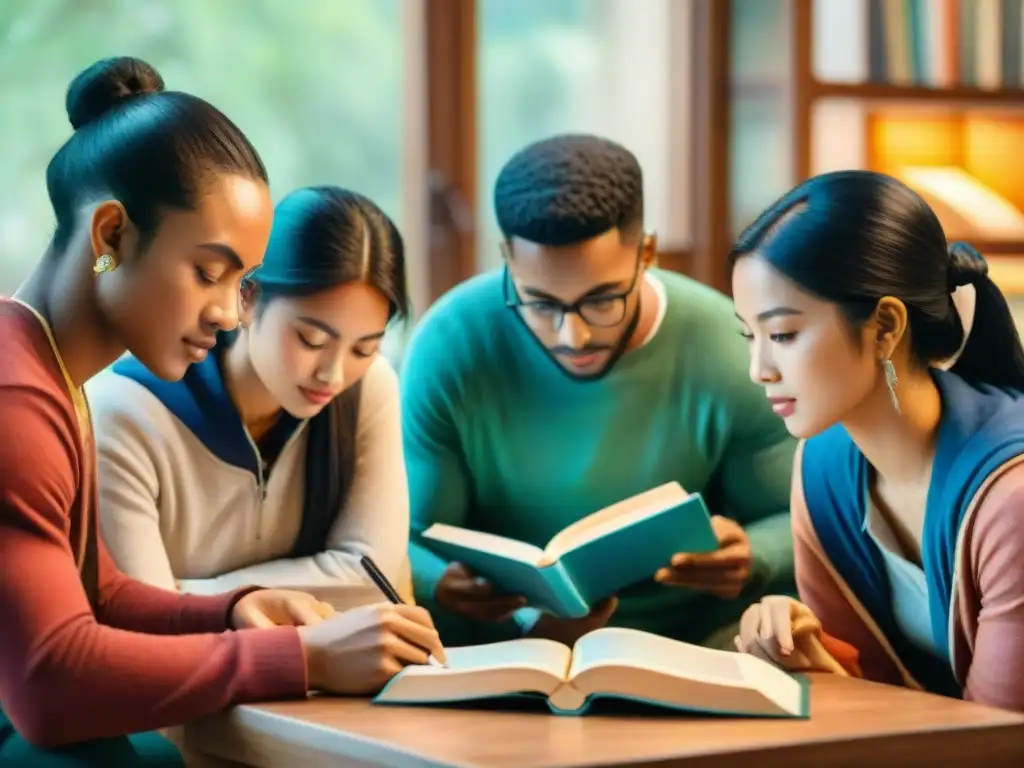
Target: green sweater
[(498, 439)]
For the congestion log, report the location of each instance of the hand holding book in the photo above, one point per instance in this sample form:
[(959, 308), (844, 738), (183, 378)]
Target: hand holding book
[(723, 572), (584, 563), (473, 597)]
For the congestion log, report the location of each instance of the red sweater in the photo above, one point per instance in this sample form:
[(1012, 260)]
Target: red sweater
[(85, 651)]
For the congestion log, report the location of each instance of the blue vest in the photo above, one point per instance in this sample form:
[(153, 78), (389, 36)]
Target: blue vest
[(981, 428), (201, 402)]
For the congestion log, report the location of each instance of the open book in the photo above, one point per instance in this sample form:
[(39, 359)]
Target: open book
[(591, 559), (606, 663)]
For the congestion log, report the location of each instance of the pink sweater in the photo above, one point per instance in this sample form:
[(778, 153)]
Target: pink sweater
[(85, 651), (988, 634)]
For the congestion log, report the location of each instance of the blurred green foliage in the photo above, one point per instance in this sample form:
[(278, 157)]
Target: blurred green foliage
[(316, 84)]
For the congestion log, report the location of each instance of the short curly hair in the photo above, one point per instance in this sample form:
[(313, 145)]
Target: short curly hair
[(566, 189)]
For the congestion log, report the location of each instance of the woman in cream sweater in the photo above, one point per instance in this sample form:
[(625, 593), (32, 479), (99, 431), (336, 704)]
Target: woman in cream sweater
[(277, 460)]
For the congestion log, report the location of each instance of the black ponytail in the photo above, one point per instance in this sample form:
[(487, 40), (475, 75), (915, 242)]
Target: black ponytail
[(324, 237), (993, 352)]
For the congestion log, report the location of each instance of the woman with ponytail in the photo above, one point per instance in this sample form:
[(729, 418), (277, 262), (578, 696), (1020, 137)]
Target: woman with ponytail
[(908, 490), (277, 460)]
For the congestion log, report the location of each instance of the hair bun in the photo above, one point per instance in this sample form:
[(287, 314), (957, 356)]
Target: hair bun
[(965, 265), (106, 84)]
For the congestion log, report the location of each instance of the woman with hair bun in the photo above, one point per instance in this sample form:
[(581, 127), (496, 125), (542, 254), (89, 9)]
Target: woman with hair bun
[(908, 490), (161, 208)]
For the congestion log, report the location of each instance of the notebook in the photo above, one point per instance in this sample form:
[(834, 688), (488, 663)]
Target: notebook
[(607, 663), (589, 560)]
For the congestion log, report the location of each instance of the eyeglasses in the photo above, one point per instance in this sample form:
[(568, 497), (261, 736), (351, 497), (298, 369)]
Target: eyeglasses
[(603, 311)]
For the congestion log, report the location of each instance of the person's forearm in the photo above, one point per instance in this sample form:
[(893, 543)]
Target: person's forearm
[(427, 569), (137, 682), (137, 607), (321, 571), (55, 652), (128, 603)]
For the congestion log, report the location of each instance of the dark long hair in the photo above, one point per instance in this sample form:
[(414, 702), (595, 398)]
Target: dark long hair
[(150, 149), (324, 237), (853, 237)]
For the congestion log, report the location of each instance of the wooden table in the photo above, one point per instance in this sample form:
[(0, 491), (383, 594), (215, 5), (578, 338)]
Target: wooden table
[(853, 723)]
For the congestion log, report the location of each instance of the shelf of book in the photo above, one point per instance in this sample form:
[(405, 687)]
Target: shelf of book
[(962, 97), (811, 81), (959, 96)]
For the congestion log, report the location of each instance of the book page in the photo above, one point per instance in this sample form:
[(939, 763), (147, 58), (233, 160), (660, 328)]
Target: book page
[(774, 683), (627, 662), (527, 653), (618, 515), (483, 671), (614, 646), (484, 542)]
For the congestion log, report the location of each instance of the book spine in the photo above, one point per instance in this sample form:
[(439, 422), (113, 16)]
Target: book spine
[(918, 42), (897, 41), (1011, 29), (989, 43), (840, 34), (563, 588), (878, 68), (968, 42), (951, 41)]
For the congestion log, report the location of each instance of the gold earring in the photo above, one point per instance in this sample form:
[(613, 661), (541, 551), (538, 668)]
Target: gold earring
[(105, 263), (891, 381)]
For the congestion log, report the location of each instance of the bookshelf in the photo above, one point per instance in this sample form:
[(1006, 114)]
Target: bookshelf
[(955, 95), (931, 91)]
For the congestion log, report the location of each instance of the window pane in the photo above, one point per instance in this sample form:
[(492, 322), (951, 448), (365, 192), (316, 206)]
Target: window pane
[(761, 163), (317, 86), (593, 66)]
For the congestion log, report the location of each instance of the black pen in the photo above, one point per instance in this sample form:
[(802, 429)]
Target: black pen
[(378, 577)]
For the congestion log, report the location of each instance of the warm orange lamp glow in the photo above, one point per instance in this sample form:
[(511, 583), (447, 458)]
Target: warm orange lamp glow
[(965, 164), (965, 205)]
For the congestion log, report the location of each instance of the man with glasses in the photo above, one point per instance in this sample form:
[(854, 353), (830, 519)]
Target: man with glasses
[(574, 377)]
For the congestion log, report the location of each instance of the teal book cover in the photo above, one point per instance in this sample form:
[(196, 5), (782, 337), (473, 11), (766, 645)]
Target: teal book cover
[(594, 558)]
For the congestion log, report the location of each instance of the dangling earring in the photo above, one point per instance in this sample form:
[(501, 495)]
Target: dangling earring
[(105, 263), (654, 257), (891, 381)]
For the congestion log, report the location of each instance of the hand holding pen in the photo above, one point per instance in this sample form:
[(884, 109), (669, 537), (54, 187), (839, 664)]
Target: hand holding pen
[(359, 650), (384, 585)]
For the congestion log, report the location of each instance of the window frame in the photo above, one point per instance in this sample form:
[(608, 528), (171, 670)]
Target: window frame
[(447, 202)]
